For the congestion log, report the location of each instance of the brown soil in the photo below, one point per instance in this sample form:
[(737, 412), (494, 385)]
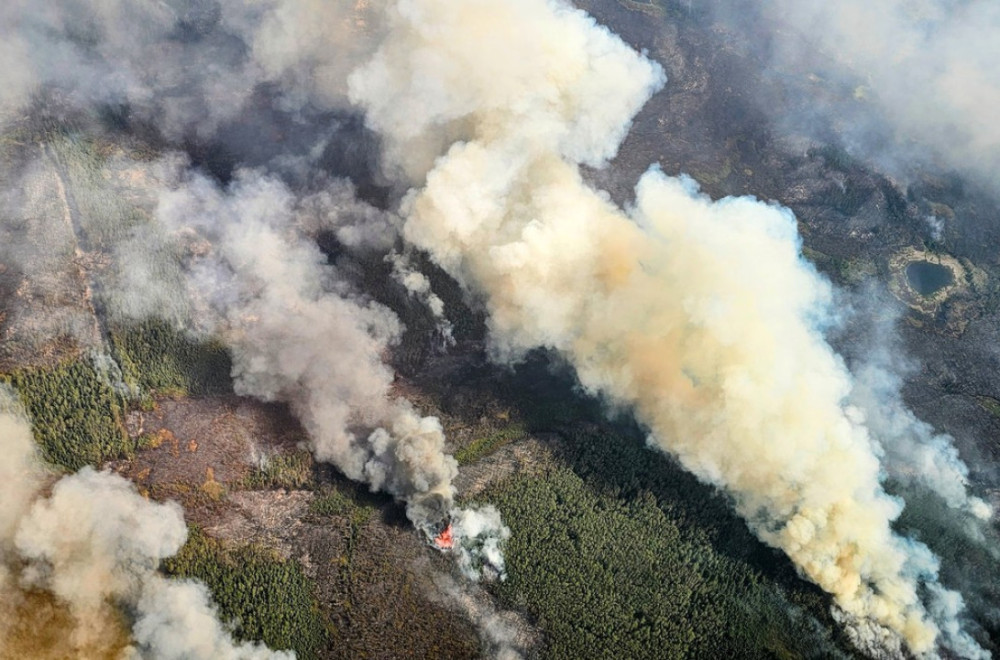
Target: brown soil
[(198, 449)]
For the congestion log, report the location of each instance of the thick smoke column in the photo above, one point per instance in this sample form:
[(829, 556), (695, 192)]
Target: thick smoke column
[(69, 558), (183, 72), (698, 314), (298, 336)]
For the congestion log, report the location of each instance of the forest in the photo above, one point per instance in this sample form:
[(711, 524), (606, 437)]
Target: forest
[(76, 415), (615, 551), (267, 598)]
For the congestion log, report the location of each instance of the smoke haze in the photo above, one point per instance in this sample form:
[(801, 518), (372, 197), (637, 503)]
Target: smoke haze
[(903, 82), (241, 261), (698, 314)]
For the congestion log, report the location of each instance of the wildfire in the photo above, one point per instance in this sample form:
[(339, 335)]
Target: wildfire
[(444, 540)]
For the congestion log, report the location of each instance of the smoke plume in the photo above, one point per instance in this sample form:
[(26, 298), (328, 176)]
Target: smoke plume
[(73, 557), (300, 334), (504, 634), (913, 451), (242, 260), (700, 315), (419, 286)]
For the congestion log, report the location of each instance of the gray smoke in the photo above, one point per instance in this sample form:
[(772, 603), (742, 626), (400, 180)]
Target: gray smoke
[(242, 261), (505, 635), (698, 314), (39, 263), (419, 286), (183, 66), (913, 450), (299, 333)]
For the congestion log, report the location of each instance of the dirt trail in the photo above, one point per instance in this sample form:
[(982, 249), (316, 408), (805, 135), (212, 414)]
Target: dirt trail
[(84, 253)]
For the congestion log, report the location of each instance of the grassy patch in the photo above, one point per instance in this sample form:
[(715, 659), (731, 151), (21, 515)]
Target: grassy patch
[(333, 502), (160, 359), (76, 417), (268, 599), (488, 444), (215, 490), (291, 471)]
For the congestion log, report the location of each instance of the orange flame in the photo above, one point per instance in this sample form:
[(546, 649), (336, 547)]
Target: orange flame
[(444, 540)]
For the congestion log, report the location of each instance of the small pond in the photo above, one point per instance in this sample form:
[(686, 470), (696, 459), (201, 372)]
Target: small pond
[(928, 278)]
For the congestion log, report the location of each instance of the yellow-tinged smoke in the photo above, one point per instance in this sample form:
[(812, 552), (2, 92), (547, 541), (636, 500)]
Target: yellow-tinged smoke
[(74, 552), (698, 314), (38, 626), (35, 622)]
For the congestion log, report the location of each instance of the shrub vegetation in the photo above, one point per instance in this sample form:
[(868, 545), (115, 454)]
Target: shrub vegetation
[(160, 359), (76, 416), (267, 598)]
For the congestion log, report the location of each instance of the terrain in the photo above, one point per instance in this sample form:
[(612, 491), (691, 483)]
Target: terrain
[(614, 549)]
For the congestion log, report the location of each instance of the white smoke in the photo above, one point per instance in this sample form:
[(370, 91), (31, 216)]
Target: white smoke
[(479, 537), (22, 473), (420, 92), (87, 51), (244, 262), (923, 73), (698, 314), (111, 375), (298, 336), (419, 286), (37, 247), (177, 620), (503, 633), (188, 68), (913, 451), (936, 226), (93, 544), (310, 46)]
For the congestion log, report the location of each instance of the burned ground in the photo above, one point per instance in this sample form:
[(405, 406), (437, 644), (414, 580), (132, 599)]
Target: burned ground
[(239, 469)]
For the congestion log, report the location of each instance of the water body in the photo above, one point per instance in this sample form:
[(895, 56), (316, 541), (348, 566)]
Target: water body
[(928, 278)]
